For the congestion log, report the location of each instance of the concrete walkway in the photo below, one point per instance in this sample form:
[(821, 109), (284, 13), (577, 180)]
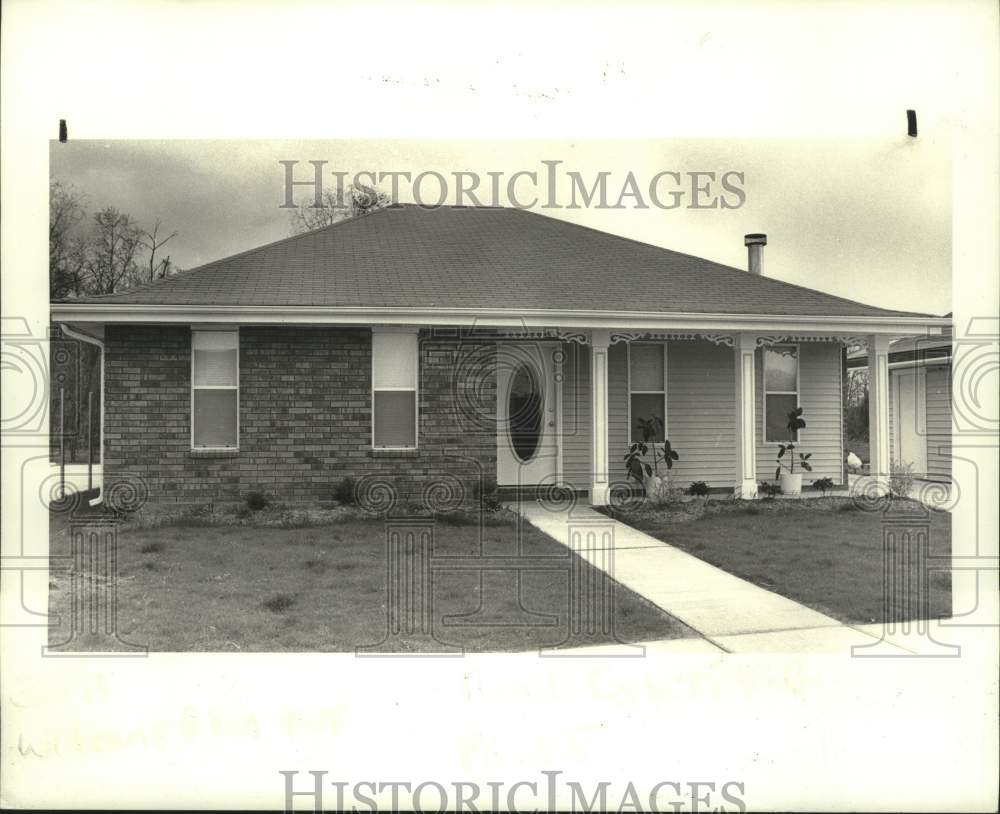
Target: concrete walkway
[(731, 613)]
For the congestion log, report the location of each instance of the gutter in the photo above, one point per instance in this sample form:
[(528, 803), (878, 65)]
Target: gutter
[(491, 318)]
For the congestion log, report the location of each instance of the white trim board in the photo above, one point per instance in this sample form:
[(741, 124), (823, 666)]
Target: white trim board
[(492, 318)]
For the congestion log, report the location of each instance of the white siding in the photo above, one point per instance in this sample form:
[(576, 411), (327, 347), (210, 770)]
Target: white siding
[(576, 415), (618, 429), (939, 422), (892, 418), (820, 396), (701, 412)]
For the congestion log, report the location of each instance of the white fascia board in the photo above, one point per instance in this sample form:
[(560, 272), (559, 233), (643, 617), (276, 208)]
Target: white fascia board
[(914, 363), (488, 318)]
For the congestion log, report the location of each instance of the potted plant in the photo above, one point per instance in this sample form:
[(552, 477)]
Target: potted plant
[(790, 480), (636, 467)]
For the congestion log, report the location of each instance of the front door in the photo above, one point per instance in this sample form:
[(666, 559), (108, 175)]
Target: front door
[(527, 413), (910, 420)]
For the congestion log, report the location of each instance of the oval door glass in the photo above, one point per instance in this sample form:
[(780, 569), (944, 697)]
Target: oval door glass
[(524, 412)]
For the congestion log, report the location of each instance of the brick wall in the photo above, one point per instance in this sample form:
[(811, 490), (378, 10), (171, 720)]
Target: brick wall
[(305, 416)]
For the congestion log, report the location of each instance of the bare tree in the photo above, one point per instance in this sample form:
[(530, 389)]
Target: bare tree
[(99, 255), (857, 386), (356, 200), (111, 261), (66, 211), (150, 241)]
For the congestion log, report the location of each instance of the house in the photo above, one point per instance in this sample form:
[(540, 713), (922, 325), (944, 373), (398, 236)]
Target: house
[(420, 350), (920, 419)]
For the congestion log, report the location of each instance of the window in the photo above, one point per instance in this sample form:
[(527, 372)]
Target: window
[(215, 375), (647, 385), (394, 389), (781, 390)]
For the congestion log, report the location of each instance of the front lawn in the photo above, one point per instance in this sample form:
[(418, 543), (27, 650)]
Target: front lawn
[(188, 586), (825, 553)]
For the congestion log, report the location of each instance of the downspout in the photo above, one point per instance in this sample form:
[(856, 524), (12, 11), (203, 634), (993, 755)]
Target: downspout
[(99, 344)]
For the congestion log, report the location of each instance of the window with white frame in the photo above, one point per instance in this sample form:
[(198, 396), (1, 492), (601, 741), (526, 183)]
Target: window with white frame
[(648, 387), (781, 390), (394, 389), (215, 376)]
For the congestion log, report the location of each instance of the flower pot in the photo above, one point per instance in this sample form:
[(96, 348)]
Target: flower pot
[(652, 486), (790, 484)]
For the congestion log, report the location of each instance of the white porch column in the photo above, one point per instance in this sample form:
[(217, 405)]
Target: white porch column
[(878, 411), (745, 486), (601, 478)]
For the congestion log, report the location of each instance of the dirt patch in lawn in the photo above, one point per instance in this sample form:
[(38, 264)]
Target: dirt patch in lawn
[(240, 587), (826, 553)]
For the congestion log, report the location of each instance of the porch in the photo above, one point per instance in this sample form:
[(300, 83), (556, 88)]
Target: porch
[(722, 399)]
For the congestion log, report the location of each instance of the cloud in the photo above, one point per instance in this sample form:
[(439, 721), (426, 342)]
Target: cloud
[(863, 219)]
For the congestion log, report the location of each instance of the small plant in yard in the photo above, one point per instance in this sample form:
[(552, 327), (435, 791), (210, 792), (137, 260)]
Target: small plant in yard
[(636, 466), (343, 492), (769, 490), (698, 489), (256, 501), (485, 493), (823, 485), (791, 482), (900, 479), (279, 603), (316, 564)]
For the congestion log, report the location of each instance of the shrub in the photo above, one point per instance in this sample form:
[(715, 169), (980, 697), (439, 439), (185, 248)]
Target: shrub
[(484, 492), (900, 479), (823, 485), (636, 467), (699, 488), (256, 501), (769, 490), (279, 603), (344, 492)]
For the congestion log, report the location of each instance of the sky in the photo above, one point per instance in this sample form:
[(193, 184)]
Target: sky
[(865, 219)]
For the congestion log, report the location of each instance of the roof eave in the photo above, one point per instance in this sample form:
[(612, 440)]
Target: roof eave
[(893, 324)]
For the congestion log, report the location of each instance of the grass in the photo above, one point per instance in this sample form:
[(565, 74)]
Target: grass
[(825, 553), (212, 584), (279, 603)]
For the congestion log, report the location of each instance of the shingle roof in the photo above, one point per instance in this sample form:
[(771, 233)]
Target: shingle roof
[(472, 257)]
